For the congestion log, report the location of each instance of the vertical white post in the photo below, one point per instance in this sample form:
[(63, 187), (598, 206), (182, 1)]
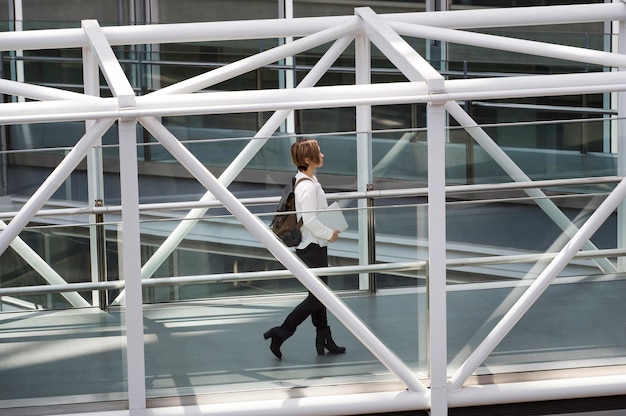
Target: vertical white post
[(95, 185), (19, 26), (286, 12), (363, 148), (621, 147), (131, 268), (437, 329)]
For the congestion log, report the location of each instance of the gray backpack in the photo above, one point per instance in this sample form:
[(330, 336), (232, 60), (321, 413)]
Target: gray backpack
[(285, 223)]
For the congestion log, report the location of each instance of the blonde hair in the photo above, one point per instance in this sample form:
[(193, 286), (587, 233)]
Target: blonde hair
[(303, 149)]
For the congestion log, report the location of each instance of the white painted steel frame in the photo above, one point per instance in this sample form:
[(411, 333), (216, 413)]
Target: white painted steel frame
[(425, 85)]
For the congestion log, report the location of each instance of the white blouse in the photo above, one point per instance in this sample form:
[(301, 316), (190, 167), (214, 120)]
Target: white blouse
[(310, 198)]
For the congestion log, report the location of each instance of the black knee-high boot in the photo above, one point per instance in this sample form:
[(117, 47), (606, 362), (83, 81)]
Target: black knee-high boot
[(278, 335), (324, 340)]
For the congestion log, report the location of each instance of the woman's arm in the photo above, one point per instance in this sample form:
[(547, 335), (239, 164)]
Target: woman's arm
[(307, 196)]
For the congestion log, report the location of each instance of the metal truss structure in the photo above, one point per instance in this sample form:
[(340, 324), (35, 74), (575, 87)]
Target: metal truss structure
[(424, 84)]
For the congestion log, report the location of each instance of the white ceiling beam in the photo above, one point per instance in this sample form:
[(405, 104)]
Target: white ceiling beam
[(502, 43), (110, 66), (400, 53), (37, 92), (278, 28), (516, 16), (315, 97), (42, 39)]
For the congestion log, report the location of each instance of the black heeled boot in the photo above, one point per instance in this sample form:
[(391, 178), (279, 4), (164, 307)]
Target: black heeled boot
[(278, 335), (324, 340)]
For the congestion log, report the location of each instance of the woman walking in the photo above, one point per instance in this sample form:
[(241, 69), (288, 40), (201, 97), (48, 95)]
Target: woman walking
[(312, 250)]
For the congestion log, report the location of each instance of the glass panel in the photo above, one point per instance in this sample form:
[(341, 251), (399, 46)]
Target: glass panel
[(215, 10), (322, 8), (56, 345), (542, 150), (204, 335), (58, 10), (229, 311), (37, 149), (502, 240), (4, 13)]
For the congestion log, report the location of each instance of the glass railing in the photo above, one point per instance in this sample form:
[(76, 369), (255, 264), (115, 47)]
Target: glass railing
[(208, 301)]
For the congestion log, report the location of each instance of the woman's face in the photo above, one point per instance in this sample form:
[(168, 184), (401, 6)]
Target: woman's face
[(317, 164), (321, 162)]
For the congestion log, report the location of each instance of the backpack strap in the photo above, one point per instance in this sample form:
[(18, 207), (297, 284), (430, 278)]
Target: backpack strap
[(294, 189), (300, 180)]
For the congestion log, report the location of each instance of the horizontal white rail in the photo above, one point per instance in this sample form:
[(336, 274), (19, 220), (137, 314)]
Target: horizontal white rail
[(337, 196), (286, 274), (279, 28), (398, 401), (311, 98)]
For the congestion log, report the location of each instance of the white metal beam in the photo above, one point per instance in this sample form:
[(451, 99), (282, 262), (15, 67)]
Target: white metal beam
[(37, 92), (620, 140), (285, 256), (275, 28), (131, 267), (95, 174), (318, 97), (110, 66), (400, 53), (362, 64), (517, 311), (259, 60), (239, 163), (516, 16), (437, 246), (397, 401), (502, 43)]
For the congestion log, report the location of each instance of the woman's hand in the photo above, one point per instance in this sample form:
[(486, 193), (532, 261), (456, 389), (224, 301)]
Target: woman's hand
[(335, 235)]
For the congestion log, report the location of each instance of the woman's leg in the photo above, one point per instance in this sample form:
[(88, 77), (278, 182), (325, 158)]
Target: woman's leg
[(279, 334), (313, 256)]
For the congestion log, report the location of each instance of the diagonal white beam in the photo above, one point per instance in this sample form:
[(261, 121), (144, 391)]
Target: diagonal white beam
[(261, 59), (482, 139), (37, 92), (517, 174), (542, 282), (284, 255), (44, 269), (52, 183), (239, 163), (246, 155), (110, 66), (529, 47), (400, 53)]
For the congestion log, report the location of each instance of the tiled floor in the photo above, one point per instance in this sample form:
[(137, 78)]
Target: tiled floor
[(217, 346)]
